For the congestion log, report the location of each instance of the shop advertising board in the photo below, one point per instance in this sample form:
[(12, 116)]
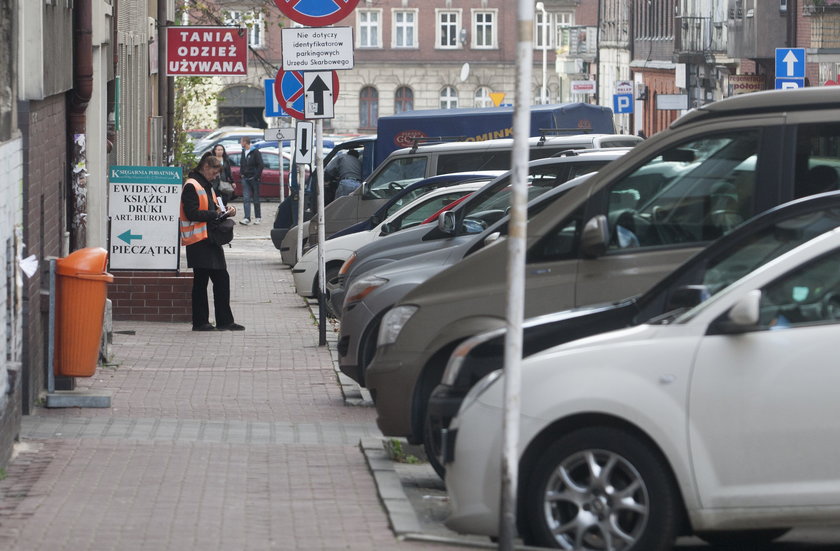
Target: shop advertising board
[(144, 206), (206, 51)]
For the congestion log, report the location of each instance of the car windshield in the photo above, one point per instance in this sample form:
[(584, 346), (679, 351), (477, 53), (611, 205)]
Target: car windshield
[(721, 271), (491, 204)]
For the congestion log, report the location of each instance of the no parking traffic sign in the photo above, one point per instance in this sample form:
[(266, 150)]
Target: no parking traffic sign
[(316, 13), (290, 91)]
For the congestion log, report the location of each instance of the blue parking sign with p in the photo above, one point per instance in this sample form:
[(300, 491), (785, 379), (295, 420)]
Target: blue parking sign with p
[(272, 106), (622, 103)]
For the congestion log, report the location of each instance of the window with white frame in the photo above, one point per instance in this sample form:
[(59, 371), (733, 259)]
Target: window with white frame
[(448, 28), (369, 30), (482, 97), (253, 21), (484, 29), (405, 29), (542, 30), (449, 98)]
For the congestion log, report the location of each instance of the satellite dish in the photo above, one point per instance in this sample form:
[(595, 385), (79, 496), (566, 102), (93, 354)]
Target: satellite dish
[(465, 71)]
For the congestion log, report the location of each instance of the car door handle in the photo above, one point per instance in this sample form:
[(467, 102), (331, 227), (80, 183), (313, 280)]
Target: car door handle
[(540, 271)]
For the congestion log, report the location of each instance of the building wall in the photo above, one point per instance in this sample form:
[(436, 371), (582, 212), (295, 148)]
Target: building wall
[(44, 125)]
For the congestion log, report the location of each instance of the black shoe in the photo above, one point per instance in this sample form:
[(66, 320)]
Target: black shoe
[(205, 327), (231, 327)]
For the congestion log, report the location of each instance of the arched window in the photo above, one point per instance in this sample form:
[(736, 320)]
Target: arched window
[(403, 100), (482, 97), (368, 108), (449, 98)]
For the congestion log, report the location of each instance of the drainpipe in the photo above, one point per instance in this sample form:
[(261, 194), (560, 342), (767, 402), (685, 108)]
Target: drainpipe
[(79, 98)]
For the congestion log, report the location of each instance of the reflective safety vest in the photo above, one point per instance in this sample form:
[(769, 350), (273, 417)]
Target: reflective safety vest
[(192, 231)]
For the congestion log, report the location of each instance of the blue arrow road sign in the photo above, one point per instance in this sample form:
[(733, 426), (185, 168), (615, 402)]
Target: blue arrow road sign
[(272, 106), (127, 236), (622, 103), (790, 62)]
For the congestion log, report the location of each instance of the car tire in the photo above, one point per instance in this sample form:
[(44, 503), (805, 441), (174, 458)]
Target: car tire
[(431, 449), (331, 271), (738, 538), (633, 507)]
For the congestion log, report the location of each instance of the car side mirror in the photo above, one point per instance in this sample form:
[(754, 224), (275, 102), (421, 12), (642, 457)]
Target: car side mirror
[(595, 237), (687, 296), (375, 220), (386, 229), (741, 318), (446, 222)]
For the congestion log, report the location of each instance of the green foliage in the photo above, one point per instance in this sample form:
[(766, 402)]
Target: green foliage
[(397, 452)]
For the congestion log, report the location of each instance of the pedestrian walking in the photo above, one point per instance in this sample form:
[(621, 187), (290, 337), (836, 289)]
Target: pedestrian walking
[(223, 185), (347, 170), (207, 259), (250, 170)]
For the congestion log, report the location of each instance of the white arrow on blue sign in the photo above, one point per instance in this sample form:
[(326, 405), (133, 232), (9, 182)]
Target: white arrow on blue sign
[(272, 106), (622, 104), (790, 62)]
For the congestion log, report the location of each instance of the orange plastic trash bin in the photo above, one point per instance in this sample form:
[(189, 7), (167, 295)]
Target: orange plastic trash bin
[(81, 288)]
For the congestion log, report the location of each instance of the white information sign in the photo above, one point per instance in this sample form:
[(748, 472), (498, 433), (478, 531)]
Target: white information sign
[(304, 142), (144, 206), (318, 87), (623, 86), (317, 48), (583, 86), (279, 134)]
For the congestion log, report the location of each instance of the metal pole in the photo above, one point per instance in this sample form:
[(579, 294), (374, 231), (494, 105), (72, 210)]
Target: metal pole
[(516, 275), (301, 200), (51, 330), (544, 25), (322, 276)]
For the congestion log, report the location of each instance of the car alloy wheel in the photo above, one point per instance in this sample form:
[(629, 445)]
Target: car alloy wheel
[(601, 489)]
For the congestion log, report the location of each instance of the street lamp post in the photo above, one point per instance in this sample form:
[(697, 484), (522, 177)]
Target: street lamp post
[(544, 92)]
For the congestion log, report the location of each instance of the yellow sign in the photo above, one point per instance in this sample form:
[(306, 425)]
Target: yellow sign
[(497, 98)]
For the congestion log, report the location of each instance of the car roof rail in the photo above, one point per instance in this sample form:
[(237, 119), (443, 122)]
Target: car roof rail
[(545, 132), (417, 141), (566, 153)]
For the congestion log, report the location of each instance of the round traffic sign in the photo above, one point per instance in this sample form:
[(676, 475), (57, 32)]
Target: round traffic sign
[(290, 92), (316, 13)]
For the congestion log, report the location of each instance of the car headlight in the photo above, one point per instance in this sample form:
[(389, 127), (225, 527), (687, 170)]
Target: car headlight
[(456, 360), (347, 264), (362, 288), (392, 323), (480, 388)]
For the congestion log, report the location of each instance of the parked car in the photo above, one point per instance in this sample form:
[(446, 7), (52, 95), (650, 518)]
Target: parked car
[(336, 251), (422, 161), (721, 421), (270, 180), (410, 191), (726, 260), (477, 212), (615, 236), (226, 136), (373, 294)]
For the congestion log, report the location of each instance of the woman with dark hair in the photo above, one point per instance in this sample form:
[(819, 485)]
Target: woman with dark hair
[(223, 184), (207, 259)]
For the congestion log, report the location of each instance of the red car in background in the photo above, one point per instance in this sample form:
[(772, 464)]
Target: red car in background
[(270, 181)]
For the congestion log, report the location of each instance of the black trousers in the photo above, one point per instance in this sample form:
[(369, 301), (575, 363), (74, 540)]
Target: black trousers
[(221, 297)]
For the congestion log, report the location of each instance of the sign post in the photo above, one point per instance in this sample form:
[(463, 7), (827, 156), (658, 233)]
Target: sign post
[(144, 206), (790, 68)]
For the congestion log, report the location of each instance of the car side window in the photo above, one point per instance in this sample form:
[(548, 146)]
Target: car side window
[(560, 243), (691, 193), (817, 164), (396, 175), (271, 161), (809, 295), (481, 160), (427, 208)]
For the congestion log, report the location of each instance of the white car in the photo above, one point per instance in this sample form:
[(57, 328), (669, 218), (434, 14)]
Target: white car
[(337, 250), (722, 421)]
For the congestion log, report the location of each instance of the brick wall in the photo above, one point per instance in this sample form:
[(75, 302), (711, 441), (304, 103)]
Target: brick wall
[(151, 296), (44, 128)]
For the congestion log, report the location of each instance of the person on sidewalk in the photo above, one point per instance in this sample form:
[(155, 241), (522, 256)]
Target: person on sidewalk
[(250, 170), (198, 208), (347, 169), (223, 184)]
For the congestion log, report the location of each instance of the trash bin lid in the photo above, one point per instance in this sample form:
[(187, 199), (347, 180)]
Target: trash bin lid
[(91, 260)]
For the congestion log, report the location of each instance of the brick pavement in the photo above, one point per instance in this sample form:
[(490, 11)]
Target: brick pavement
[(229, 441)]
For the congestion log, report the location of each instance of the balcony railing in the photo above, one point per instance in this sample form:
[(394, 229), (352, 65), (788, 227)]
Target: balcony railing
[(700, 35)]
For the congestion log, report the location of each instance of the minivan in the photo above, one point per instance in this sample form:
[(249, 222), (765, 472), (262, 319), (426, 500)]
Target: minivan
[(617, 234)]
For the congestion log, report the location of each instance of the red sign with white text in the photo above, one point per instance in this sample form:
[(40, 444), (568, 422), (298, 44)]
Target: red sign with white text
[(206, 51)]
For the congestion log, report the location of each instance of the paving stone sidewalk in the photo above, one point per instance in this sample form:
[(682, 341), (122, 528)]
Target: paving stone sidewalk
[(223, 440)]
